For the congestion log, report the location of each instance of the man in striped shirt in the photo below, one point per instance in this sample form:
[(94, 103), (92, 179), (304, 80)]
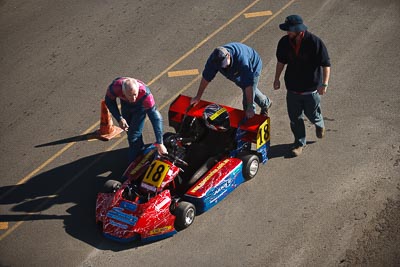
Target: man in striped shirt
[(136, 101)]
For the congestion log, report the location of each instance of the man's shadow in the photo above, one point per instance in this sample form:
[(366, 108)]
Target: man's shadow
[(283, 150), (75, 183)]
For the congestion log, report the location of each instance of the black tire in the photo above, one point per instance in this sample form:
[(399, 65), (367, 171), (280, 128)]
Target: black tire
[(185, 213), (111, 186), (167, 140), (168, 135), (251, 163)]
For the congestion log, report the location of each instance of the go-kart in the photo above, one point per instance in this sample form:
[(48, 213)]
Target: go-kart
[(154, 200)]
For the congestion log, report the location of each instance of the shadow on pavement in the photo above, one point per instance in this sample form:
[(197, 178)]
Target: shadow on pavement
[(283, 150), (78, 138), (77, 182)]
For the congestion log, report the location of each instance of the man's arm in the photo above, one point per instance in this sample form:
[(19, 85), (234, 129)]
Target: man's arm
[(326, 72), (250, 100), (278, 71), (111, 103), (202, 87), (156, 121), (113, 107)]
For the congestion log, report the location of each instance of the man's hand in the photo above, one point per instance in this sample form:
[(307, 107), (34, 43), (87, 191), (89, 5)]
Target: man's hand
[(123, 124), (249, 113), (161, 149), (322, 89), (277, 84), (194, 101)]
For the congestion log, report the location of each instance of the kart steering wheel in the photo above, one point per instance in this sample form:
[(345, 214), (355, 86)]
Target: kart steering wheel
[(174, 159)]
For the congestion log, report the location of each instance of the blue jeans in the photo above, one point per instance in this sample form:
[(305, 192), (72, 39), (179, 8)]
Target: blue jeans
[(298, 106), (135, 117), (259, 98)]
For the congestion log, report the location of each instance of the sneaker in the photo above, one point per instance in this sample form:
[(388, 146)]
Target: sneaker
[(320, 132), (264, 111), (297, 150)]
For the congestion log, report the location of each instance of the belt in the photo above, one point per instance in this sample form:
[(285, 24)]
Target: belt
[(303, 93)]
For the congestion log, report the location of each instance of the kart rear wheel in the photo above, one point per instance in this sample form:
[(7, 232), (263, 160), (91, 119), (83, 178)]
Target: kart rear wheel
[(185, 214), (251, 163), (111, 186)]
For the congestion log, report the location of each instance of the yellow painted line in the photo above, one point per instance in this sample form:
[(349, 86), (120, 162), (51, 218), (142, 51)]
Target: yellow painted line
[(258, 14), (267, 21), (56, 155), (3, 225), (183, 73), (30, 175), (15, 226)]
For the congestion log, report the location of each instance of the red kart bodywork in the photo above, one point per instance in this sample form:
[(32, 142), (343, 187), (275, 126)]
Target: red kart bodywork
[(126, 220), (153, 218), (255, 130)]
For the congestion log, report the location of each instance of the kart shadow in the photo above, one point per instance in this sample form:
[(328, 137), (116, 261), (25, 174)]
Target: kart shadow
[(75, 184)]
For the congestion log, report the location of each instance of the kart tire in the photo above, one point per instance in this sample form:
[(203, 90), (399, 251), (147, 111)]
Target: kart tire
[(168, 135), (185, 213), (111, 186), (251, 163)]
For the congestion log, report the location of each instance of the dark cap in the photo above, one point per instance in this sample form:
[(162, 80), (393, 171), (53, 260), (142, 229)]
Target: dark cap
[(219, 56), (293, 23)]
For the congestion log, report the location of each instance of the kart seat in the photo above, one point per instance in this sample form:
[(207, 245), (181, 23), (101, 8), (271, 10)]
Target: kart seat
[(202, 170)]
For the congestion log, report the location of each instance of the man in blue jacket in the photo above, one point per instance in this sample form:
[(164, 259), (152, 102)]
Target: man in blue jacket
[(242, 65), (306, 78)]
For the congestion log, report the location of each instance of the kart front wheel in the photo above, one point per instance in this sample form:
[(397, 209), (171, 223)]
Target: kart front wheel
[(111, 186), (251, 163), (185, 213)]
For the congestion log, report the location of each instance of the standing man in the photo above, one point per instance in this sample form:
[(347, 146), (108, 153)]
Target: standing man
[(136, 101), (306, 78), (242, 65)]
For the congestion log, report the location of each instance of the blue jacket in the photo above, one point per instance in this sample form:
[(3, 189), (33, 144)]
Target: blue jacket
[(246, 65)]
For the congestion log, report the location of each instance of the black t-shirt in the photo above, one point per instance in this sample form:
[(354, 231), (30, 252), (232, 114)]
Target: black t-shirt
[(303, 71)]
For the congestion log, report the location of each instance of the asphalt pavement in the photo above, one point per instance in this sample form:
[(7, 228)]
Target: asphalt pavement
[(335, 205)]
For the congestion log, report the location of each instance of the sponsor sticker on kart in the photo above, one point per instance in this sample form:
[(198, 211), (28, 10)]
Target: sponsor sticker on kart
[(118, 214), (158, 231), (263, 135), (216, 169), (156, 173)]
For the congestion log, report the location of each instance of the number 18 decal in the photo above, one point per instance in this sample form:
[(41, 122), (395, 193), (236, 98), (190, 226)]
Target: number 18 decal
[(263, 134), (156, 173)]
